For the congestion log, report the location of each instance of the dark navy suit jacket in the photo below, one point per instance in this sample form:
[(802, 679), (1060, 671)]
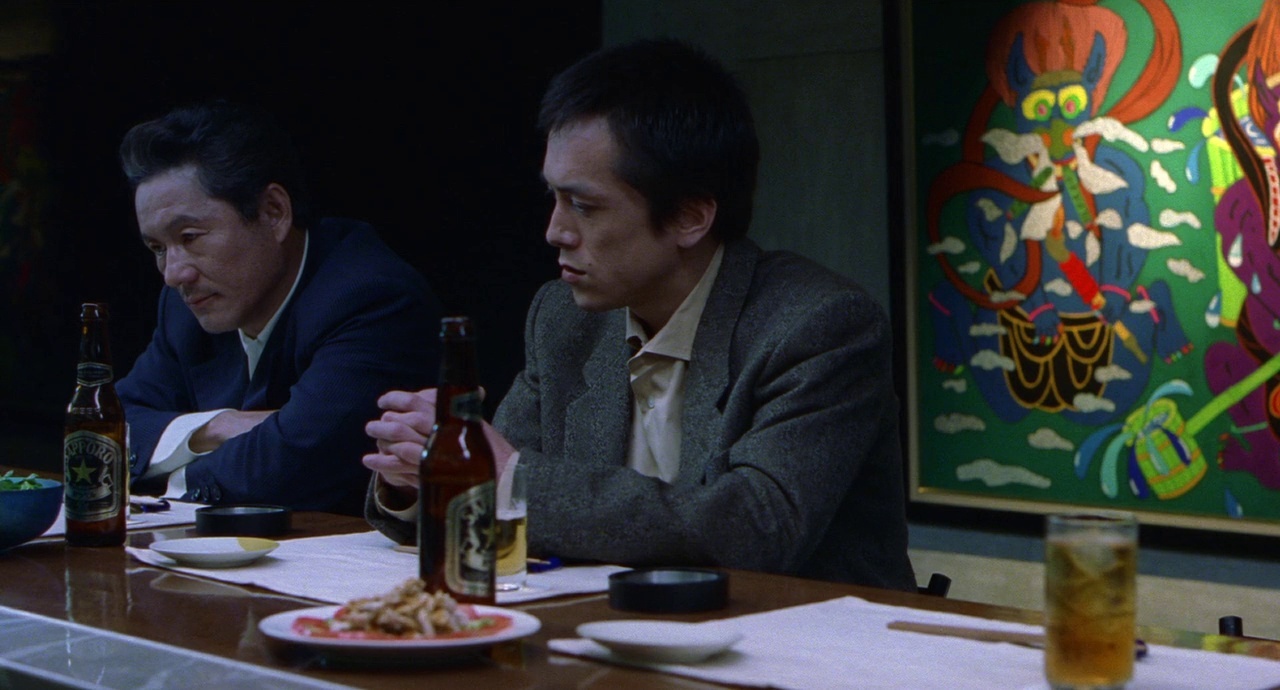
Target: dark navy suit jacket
[(361, 322)]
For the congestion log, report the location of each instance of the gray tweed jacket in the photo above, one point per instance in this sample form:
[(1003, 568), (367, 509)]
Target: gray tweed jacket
[(790, 459)]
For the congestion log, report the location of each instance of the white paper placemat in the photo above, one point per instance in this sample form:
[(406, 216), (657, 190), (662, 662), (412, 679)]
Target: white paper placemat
[(342, 567), (844, 643), (179, 513)]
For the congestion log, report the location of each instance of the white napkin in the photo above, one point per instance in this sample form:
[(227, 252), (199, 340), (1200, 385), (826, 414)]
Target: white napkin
[(179, 513), (342, 567), (844, 643), (578, 579)]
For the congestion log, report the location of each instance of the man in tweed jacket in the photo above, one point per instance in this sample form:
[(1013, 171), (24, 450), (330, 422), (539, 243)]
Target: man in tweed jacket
[(687, 399)]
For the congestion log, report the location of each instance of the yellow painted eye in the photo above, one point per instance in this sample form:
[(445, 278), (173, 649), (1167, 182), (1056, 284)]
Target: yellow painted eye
[(1073, 100), (1038, 105)]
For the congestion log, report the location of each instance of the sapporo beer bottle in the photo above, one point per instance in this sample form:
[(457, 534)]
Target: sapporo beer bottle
[(95, 446), (456, 548)]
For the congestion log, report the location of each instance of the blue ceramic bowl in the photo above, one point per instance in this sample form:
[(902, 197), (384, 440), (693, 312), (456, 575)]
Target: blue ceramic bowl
[(26, 514)]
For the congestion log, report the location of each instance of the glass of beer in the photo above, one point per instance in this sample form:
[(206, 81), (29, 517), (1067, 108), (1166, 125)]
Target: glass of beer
[(1091, 565), (513, 546)]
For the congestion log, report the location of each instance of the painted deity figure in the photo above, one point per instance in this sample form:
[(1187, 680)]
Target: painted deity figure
[(1057, 213), (1247, 220)]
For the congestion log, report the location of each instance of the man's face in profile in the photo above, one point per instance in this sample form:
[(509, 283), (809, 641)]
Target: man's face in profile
[(611, 254), (230, 273)]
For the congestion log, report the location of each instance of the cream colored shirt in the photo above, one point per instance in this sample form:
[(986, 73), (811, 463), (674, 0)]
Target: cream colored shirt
[(657, 381), (173, 451)]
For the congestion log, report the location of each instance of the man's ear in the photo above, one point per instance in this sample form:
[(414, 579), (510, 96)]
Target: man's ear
[(693, 221), (275, 211)]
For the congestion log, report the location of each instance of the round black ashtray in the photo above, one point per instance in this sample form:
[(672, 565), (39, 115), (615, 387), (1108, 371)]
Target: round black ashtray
[(669, 590), (243, 520)]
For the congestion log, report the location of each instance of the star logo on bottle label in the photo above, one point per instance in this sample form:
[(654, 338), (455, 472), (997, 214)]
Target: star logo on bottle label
[(83, 472)]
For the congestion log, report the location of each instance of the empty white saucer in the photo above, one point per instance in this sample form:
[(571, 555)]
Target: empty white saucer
[(214, 552), (665, 642)]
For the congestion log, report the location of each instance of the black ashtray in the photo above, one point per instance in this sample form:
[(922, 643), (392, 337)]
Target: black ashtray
[(669, 590), (243, 520)]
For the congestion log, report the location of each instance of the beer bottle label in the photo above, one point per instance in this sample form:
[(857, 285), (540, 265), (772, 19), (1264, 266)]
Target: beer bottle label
[(93, 374), (468, 542), (90, 462), (467, 406)]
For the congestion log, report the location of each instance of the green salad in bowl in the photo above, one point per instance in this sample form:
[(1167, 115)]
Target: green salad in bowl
[(8, 482), (28, 507)]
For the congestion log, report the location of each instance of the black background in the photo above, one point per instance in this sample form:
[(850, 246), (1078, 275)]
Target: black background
[(419, 118)]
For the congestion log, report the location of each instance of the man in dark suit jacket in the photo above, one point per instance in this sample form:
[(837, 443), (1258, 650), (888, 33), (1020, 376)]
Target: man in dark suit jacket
[(275, 334), (687, 399)]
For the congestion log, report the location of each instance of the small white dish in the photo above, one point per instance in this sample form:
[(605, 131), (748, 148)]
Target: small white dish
[(214, 552), (664, 642)]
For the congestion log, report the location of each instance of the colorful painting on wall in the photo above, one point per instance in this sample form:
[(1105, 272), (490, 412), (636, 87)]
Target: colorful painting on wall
[(1094, 263)]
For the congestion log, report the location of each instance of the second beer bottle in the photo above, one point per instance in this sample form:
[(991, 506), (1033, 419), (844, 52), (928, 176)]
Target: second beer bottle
[(457, 479)]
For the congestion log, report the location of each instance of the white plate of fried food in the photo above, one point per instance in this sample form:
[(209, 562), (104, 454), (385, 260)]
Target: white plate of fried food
[(405, 624)]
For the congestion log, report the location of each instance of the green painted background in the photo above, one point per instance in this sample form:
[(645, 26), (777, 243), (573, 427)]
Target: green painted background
[(948, 40)]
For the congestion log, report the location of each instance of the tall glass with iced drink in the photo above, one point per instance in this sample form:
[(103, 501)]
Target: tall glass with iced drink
[(1091, 565)]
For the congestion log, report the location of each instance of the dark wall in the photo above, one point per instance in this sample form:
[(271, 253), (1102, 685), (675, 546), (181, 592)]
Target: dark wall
[(417, 119)]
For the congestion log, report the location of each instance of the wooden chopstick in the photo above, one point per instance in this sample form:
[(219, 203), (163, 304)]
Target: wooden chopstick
[(1035, 640)]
